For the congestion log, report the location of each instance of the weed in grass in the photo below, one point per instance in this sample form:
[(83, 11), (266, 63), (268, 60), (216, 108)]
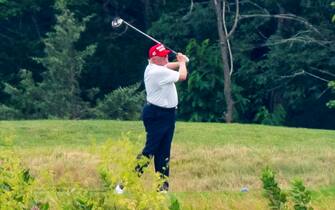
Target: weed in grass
[(299, 198), (300, 195), (277, 199)]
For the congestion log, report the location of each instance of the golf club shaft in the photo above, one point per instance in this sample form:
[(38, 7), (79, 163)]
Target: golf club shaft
[(153, 39)]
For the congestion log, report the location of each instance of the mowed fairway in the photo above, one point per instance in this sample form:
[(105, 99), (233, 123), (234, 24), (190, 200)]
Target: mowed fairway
[(210, 163)]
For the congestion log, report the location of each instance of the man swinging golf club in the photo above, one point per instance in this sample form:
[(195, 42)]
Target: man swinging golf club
[(159, 112), (162, 100)]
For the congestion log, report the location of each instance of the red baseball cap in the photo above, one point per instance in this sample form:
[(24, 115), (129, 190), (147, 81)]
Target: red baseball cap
[(158, 50)]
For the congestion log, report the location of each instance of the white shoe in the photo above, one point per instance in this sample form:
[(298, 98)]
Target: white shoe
[(163, 192), (119, 189)]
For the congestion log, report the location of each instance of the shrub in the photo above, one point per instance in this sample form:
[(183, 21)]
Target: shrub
[(273, 193), (122, 104), (276, 118), (16, 185), (19, 190), (299, 195), (8, 113)]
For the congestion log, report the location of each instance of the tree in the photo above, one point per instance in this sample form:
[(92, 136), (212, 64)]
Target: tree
[(22, 26), (64, 64), (224, 35), (302, 38), (204, 82), (201, 96), (59, 93), (25, 98), (279, 52), (281, 57)]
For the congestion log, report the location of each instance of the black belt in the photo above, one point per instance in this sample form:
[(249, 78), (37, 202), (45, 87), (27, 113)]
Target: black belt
[(159, 107)]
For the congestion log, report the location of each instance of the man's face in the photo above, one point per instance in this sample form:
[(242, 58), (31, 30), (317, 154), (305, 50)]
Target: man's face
[(161, 61)]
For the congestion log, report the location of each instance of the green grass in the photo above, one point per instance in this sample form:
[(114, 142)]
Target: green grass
[(210, 161), (54, 132)]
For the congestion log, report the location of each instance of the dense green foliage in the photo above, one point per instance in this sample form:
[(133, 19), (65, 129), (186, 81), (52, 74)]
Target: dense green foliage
[(281, 66), (58, 94), (16, 185), (201, 96), (19, 190)]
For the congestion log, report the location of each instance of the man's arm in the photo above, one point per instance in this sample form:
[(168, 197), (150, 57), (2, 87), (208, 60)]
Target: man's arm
[(173, 65), (182, 66)]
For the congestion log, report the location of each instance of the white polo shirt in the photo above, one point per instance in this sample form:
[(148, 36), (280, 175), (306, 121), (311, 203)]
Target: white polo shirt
[(159, 85)]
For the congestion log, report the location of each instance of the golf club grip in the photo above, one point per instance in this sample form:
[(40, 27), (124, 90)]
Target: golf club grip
[(175, 53)]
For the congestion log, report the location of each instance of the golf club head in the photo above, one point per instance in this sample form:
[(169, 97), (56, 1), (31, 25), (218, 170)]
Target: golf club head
[(116, 22)]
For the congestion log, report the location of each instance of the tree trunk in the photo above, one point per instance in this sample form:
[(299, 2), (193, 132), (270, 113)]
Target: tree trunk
[(225, 59)]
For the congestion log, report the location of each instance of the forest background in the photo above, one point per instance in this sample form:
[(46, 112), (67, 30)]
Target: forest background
[(64, 60)]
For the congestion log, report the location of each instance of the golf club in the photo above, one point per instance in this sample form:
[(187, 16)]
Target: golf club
[(117, 22)]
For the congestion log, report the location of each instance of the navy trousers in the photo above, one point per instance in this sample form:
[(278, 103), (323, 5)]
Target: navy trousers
[(159, 125)]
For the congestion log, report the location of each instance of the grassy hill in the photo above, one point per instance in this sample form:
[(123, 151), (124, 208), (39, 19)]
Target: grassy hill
[(210, 163)]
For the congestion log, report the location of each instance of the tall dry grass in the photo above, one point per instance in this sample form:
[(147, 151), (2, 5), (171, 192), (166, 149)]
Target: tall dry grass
[(204, 177)]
